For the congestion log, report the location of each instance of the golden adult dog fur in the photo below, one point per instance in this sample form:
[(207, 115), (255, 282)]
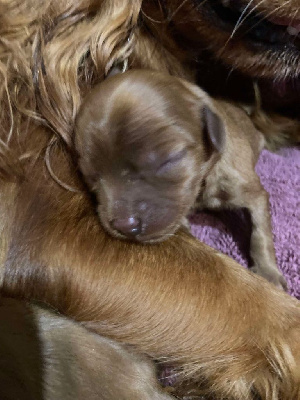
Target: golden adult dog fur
[(226, 331), (44, 355)]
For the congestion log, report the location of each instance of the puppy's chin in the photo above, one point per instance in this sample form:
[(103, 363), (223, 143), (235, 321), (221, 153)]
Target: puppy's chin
[(154, 237), (170, 231)]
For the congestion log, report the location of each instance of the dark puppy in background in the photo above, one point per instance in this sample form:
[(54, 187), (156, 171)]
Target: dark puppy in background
[(152, 147), (45, 356)]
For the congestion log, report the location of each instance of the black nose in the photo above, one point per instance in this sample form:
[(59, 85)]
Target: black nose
[(129, 227)]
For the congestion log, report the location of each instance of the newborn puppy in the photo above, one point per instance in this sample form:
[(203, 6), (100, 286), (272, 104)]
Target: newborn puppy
[(151, 147)]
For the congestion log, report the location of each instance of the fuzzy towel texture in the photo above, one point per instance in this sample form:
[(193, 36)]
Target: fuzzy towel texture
[(229, 231)]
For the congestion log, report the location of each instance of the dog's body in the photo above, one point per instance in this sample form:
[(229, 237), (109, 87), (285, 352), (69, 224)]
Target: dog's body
[(178, 301), (45, 356), (152, 147)]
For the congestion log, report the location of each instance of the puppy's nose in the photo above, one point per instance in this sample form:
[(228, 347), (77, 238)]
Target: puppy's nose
[(129, 227)]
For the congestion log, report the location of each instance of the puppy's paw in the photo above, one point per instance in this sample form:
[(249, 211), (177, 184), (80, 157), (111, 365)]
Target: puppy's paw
[(279, 281), (272, 275)]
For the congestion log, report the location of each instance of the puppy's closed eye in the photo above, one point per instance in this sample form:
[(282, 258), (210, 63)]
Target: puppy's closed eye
[(172, 161)]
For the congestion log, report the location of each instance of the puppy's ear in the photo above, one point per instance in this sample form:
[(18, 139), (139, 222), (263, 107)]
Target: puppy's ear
[(213, 130)]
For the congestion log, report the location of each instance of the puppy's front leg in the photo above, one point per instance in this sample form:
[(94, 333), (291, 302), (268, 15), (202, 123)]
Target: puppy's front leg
[(185, 223), (261, 245)]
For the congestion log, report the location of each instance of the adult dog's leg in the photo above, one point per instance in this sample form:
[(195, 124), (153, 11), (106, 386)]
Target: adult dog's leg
[(178, 301)]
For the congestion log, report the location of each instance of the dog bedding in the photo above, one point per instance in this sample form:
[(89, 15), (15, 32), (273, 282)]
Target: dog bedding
[(229, 231)]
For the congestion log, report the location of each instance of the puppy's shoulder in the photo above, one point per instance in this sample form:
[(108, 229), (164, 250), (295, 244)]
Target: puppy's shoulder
[(241, 133)]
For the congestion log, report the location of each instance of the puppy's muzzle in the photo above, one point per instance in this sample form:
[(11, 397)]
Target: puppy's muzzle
[(129, 227)]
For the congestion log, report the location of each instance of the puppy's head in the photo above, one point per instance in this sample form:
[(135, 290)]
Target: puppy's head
[(144, 141)]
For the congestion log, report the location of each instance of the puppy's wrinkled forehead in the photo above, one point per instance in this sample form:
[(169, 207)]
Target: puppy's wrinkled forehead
[(139, 119)]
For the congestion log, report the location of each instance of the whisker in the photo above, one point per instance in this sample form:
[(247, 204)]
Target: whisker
[(265, 17), (167, 18), (177, 9), (252, 10), (182, 4), (241, 20), (229, 74)]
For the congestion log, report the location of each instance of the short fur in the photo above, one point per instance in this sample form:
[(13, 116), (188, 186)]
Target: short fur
[(226, 330), (45, 356), (152, 147)]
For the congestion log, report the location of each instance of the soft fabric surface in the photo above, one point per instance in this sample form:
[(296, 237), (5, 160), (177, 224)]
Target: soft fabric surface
[(229, 231)]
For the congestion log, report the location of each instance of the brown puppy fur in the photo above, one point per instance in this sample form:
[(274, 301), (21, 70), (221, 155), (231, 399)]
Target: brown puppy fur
[(152, 146), (44, 356), (224, 328)]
